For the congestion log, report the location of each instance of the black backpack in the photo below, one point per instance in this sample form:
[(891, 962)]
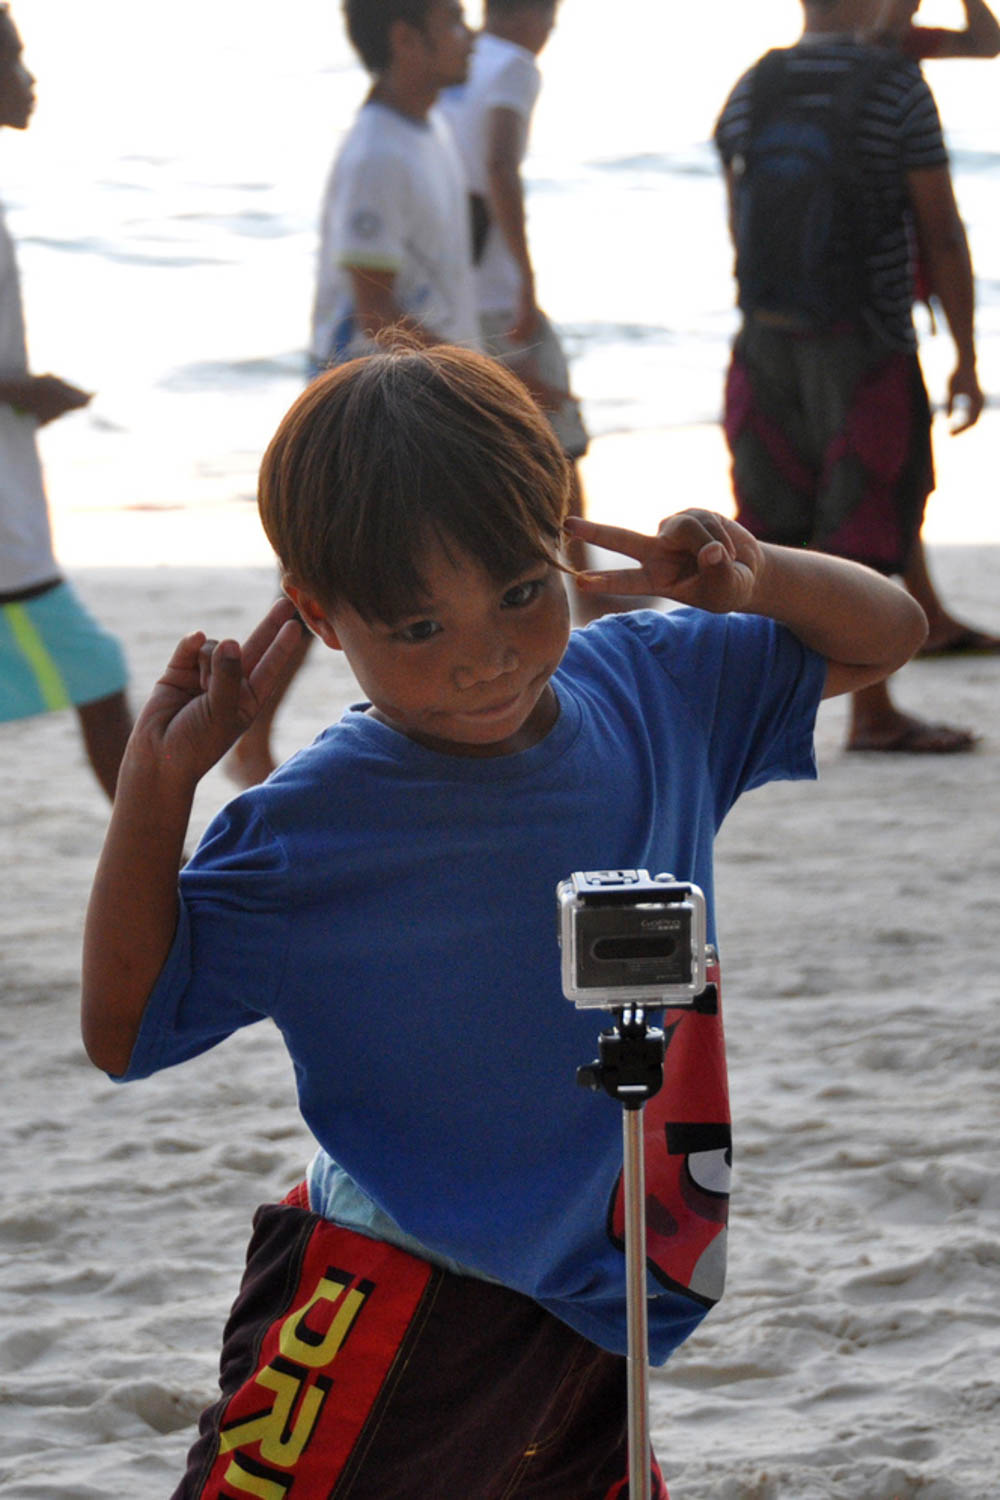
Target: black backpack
[(801, 224)]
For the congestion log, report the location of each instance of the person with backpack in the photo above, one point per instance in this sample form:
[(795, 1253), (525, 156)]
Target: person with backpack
[(834, 161)]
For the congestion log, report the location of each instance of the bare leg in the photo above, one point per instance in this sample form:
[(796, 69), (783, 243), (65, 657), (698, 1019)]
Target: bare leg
[(944, 632), (106, 726), (251, 759), (877, 724)]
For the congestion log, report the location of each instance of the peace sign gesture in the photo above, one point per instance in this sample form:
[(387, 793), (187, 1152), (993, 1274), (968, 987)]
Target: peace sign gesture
[(209, 693), (697, 557)]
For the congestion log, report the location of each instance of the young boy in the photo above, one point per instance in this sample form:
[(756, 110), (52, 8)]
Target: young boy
[(440, 1310), (53, 654)]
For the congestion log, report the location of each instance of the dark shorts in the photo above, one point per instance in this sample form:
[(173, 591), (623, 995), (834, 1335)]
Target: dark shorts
[(352, 1369), (830, 437)]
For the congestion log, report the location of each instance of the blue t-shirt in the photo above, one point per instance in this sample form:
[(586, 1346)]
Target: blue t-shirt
[(393, 909)]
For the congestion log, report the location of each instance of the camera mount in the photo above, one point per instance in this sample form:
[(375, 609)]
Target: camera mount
[(632, 945), (630, 1069)]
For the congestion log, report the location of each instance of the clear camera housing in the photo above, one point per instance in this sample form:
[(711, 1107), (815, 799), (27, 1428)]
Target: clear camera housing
[(630, 938)]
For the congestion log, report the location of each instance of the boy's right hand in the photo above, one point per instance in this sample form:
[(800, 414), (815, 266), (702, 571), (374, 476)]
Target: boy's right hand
[(209, 694)]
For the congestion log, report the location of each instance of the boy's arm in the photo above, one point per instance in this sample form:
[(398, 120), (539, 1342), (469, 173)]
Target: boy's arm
[(505, 132), (44, 397), (865, 625), (207, 696)]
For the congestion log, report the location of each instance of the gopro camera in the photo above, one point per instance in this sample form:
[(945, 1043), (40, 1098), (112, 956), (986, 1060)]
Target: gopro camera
[(627, 937)]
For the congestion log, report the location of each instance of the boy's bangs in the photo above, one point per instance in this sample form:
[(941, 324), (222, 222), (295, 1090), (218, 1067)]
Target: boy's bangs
[(393, 585), (390, 453), (460, 479)]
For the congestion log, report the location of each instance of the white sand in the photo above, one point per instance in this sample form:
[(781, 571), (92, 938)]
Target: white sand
[(857, 1353)]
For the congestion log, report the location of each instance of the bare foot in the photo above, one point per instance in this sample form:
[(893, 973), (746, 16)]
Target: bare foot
[(909, 736)]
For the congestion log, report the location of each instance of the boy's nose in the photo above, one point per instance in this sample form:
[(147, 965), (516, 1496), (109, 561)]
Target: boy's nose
[(494, 658)]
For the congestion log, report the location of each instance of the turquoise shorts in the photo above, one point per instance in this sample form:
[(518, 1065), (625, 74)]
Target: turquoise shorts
[(54, 654)]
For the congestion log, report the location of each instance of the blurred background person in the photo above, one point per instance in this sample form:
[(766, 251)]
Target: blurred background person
[(53, 653)]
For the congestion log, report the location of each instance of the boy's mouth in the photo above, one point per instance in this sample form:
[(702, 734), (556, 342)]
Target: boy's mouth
[(495, 710)]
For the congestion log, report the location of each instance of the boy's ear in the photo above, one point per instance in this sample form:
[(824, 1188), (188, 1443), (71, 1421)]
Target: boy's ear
[(312, 613), (404, 40)]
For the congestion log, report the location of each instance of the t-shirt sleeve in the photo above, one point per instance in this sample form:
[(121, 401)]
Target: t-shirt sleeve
[(368, 223), (514, 86), (228, 954), (921, 137), (752, 689), (764, 712)]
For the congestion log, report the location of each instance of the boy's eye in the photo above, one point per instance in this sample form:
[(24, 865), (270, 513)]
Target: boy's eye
[(418, 630), (523, 593)]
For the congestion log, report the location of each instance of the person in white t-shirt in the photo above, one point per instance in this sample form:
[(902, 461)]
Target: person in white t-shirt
[(53, 653), (491, 116), (395, 242), (395, 246)]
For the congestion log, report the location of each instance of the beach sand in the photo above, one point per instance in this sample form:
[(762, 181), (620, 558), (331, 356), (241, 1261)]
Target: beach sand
[(856, 1355)]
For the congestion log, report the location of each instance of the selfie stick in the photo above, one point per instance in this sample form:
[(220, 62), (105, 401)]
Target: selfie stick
[(630, 943), (630, 1069)]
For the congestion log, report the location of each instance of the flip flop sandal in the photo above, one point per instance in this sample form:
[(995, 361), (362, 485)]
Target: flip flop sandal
[(968, 642)]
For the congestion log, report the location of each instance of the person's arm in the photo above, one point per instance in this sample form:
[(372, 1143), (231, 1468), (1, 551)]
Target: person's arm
[(505, 136), (207, 696), (979, 38), (376, 307), (944, 251), (43, 397), (865, 625)]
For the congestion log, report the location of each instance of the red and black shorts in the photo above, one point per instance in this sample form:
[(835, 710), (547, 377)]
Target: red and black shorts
[(353, 1369)]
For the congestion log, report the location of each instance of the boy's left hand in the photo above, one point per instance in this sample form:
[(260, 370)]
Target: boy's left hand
[(697, 557)]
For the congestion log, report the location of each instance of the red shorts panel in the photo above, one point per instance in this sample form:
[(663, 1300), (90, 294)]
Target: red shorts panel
[(352, 1369)]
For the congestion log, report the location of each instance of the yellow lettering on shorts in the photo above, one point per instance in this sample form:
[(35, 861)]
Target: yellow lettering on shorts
[(303, 1348), (281, 1441), (301, 1342), (251, 1484)]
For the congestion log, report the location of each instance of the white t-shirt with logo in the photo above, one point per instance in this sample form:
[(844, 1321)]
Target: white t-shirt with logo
[(395, 201), (26, 555), (502, 75)]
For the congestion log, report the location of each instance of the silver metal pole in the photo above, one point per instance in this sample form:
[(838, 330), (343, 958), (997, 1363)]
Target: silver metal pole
[(634, 1187)]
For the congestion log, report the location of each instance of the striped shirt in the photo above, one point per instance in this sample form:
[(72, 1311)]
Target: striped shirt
[(899, 132)]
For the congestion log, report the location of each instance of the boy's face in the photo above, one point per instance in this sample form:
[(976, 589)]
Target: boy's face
[(468, 674), (445, 44), (17, 86)]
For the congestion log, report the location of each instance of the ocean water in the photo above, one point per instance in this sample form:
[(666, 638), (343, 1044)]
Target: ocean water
[(165, 202)]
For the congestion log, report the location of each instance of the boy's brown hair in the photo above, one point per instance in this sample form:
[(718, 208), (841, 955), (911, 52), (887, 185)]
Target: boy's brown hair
[(381, 455)]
